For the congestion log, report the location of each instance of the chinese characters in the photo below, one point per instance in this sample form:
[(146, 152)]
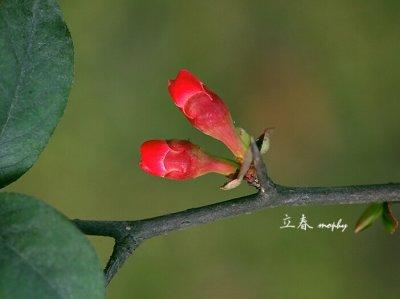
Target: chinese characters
[(304, 225)]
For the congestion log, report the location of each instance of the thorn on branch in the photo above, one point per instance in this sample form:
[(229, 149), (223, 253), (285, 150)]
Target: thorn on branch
[(261, 169)]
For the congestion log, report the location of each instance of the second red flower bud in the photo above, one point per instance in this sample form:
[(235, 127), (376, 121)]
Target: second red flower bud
[(180, 160)]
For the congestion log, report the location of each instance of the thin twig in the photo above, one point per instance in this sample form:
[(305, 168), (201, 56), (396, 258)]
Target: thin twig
[(121, 251)]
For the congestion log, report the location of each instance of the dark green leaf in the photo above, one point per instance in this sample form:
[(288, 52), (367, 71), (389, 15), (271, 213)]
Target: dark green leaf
[(43, 255), (373, 212), (389, 220), (36, 70)]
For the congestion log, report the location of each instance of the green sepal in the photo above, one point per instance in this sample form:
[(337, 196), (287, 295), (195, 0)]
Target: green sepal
[(244, 136)]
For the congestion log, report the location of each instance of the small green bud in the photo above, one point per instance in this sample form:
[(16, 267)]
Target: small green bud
[(372, 212), (263, 142), (389, 220)]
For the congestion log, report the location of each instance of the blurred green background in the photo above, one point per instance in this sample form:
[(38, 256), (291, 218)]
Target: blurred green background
[(324, 73)]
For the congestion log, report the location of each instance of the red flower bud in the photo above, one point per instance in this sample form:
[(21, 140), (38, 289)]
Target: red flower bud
[(205, 110), (180, 160)]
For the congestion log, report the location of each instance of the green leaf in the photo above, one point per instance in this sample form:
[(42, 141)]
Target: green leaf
[(36, 71), (373, 212), (389, 220), (43, 255)]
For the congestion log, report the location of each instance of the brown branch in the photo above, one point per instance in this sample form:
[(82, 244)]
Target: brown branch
[(129, 234)]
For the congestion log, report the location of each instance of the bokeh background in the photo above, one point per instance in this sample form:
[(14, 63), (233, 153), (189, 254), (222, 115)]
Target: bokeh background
[(324, 73)]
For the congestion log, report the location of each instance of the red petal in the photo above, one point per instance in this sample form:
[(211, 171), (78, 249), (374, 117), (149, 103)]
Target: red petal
[(183, 87), (153, 153)]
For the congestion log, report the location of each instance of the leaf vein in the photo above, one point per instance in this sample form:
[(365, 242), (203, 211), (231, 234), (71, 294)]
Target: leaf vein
[(23, 67), (32, 266)]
